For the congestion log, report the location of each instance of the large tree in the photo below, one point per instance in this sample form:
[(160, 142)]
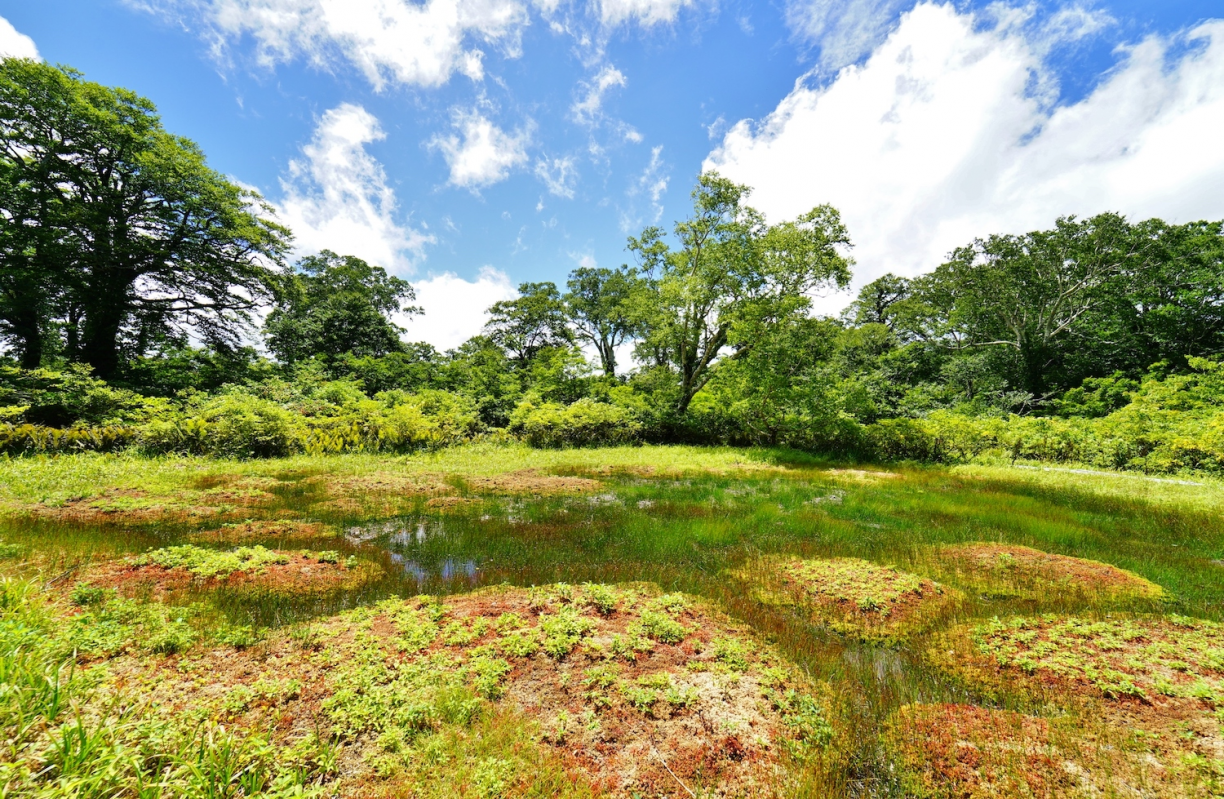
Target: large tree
[(602, 305), (333, 305), (529, 323), (123, 227), (1028, 292), (731, 280)]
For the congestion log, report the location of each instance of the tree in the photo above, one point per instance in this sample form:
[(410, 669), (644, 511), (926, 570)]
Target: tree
[(332, 305), (531, 322), (877, 300), (124, 227), (601, 305), (1027, 292), (732, 279)]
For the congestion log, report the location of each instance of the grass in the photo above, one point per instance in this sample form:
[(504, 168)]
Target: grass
[(496, 690)]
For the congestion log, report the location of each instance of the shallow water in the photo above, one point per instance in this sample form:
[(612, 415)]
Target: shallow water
[(685, 534)]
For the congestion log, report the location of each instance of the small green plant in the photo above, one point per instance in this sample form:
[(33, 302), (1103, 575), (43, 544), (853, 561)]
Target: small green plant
[(563, 630), (601, 597), (207, 563), (84, 594), (660, 627)]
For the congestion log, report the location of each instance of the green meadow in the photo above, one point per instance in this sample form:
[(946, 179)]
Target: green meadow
[(492, 620)]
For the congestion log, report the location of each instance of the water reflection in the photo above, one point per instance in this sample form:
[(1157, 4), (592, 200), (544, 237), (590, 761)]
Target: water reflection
[(450, 569)]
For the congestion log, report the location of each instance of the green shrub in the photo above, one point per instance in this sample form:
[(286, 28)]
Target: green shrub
[(232, 425), (585, 423)]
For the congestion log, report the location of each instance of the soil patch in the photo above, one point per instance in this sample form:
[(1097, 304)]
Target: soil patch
[(174, 569), (635, 692), (531, 481), (1010, 570), (283, 529), (854, 596)]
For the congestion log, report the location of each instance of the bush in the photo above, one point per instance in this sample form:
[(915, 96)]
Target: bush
[(585, 423), (231, 426)]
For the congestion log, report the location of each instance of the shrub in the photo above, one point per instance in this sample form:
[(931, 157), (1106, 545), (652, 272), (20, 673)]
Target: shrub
[(233, 425), (585, 423)]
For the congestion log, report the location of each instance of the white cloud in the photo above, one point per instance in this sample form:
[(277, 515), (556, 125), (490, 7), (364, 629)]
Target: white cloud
[(14, 44), (455, 309), (336, 196), (652, 183), (559, 175), (388, 40), (938, 138), (480, 153), (588, 109), (844, 31), (646, 12)]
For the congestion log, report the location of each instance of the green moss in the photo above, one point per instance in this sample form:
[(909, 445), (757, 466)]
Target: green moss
[(210, 562)]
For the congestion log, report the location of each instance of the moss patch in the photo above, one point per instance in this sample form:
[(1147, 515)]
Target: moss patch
[(1162, 678), (966, 751), (531, 482), (1017, 571), (282, 529), (856, 597), (180, 568), (630, 690)]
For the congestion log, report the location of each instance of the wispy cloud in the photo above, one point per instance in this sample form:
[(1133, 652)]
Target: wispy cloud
[(396, 41), (589, 108), (559, 175)]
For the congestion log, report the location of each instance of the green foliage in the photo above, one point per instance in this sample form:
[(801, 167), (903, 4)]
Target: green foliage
[(332, 306), (109, 218), (208, 563), (584, 423)]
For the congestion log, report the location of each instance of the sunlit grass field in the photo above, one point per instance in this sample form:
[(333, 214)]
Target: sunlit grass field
[(837, 663)]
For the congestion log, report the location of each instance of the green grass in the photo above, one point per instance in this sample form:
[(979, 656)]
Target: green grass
[(679, 517)]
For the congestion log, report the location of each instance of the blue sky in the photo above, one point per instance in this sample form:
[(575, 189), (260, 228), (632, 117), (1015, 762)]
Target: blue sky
[(472, 144)]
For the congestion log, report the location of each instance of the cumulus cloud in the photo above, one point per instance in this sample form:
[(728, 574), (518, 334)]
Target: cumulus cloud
[(559, 175), (589, 108), (387, 40), (336, 195), (14, 44), (939, 137), (455, 309), (479, 153)]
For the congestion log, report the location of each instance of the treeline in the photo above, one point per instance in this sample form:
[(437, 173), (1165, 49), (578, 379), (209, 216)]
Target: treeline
[(131, 275)]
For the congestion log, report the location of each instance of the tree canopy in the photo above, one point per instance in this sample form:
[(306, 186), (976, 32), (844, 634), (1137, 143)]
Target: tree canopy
[(332, 305), (118, 234)]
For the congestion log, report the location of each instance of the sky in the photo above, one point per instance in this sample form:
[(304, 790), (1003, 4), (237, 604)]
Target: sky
[(471, 145)]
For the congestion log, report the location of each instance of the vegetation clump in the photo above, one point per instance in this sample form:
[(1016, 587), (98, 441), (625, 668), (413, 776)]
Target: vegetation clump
[(963, 750), (1162, 678), (856, 597), (1005, 570), (390, 688), (187, 566)]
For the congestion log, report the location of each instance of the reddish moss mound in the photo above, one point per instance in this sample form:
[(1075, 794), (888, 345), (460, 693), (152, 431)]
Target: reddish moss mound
[(1159, 680), (968, 751), (531, 482), (1023, 571), (299, 573), (854, 596), (634, 693), (283, 529)]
